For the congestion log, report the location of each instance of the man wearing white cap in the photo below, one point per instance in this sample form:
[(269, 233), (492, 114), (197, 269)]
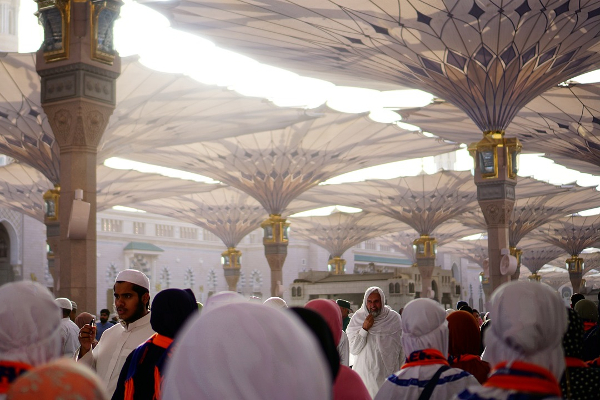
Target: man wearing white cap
[(132, 301), (68, 330)]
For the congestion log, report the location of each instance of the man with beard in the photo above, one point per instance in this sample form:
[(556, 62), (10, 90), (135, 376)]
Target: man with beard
[(374, 334), (132, 301), (103, 324)]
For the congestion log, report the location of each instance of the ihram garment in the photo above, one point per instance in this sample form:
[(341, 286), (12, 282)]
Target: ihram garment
[(523, 344), (425, 339), (378, 352)]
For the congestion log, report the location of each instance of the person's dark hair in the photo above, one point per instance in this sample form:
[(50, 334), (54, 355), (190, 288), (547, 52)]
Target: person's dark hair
[(319, 327), (66, 312), (140, 292), (105, 311), (575, 297), (461, 303), (466, 308)]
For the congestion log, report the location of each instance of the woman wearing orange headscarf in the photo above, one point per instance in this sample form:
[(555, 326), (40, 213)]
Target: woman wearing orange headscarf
[(465, 345)]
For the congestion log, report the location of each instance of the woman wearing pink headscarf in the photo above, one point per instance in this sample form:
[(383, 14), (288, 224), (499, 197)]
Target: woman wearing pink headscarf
[(348, 384)]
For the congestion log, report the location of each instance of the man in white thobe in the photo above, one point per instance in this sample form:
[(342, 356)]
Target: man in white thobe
[(374, 335), (132, 300), (68, 330)]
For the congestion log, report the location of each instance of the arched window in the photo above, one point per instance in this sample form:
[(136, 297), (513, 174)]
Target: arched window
[(411, 287), (397, 287), (293, 291), (391, 288), (299, 291)]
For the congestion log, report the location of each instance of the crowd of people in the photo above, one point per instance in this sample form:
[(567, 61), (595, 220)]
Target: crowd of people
[(529, 346)]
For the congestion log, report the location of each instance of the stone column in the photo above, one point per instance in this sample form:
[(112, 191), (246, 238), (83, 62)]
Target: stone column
[(425, 249), (232, 263), (575, 267), (337, 265), (495, 177), (275, 241), (78, 68), (517, 253)]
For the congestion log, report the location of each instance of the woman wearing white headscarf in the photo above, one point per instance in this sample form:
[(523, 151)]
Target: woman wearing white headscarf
[(425, 341), (29, 329), (523, 344), (377, 350), (247, 351)]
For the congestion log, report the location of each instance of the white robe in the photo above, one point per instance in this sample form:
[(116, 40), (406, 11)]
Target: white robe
[(408, 383), (378, 352), (112, 350), (69, 336), (368, 362), (343, 349)]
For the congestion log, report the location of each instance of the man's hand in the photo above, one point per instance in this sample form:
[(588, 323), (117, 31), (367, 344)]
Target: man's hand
[(369, 321), (87, 335)]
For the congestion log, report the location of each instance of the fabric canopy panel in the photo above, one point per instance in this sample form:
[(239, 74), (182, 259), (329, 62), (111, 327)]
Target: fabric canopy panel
[(423, 202), (228, 213), (340, 231), (124, 187), (573, 234), (530, 213), (591, 262), (277, 166), (445, 233), (475, 251), (22, 189), (489, 59), (156, 109), (534, 259), (563, 123), (25, 133)]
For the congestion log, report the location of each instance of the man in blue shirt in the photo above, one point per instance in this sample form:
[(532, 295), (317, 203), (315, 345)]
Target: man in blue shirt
[(103, 324)]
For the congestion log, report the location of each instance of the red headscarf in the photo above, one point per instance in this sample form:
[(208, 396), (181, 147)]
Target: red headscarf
[(464, 345), (348, 384)]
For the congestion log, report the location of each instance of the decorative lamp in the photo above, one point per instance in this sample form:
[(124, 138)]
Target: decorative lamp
[(55, 16), (51, 199), (276, 229), (574, 264), (104, 14), (425, 247)]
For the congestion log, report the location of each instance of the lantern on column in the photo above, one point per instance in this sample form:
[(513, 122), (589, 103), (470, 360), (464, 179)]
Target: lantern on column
[(104, 14), (51, 198), (54, 16)]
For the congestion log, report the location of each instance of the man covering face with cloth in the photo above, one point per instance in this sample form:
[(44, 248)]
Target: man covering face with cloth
[(374, 334)]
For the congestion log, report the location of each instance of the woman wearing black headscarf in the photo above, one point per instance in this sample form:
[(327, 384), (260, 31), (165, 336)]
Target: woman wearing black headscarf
[(579, 382), (141, 376)]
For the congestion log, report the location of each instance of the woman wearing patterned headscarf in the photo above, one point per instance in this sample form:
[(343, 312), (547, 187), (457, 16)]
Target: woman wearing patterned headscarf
[(523, 344), (60, 379), (579, 382)]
